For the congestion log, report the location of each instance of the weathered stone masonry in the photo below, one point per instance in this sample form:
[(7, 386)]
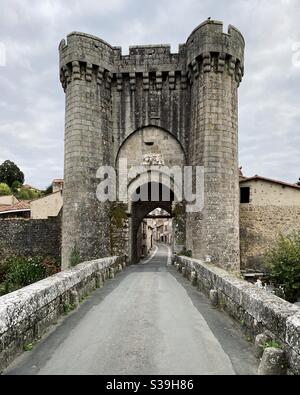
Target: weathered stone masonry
[(260, 227), (191, 94), (30, 237), (27, 314), (256, 311)]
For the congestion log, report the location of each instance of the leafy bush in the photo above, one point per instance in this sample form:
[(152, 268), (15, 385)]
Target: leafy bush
[(3, 270), (27, 194), (48, 190), (4, 189), (21, 271), (186, 252), (16, 186), (283, 264)]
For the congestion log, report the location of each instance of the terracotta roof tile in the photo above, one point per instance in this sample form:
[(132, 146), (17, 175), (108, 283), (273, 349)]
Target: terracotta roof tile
[(21, 205), (256, 177)]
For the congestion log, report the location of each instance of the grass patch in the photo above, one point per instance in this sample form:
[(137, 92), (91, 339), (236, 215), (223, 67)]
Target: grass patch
[(28, 347), (68, 308), (272, 344)]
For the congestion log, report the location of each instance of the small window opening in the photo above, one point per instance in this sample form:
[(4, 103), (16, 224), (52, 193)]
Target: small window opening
[(149, 143), (245, 195)]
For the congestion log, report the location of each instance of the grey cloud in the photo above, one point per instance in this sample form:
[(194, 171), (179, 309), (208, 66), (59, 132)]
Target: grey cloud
[(32, 101)]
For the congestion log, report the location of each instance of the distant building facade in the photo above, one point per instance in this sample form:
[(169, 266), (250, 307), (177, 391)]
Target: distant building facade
[(41, 208), (46, 206), (268, 208)]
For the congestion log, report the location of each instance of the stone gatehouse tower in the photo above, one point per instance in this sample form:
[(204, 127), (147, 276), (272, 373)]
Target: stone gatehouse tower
[(146, 102)]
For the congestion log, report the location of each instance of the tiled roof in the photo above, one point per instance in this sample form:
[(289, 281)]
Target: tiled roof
[(20, 206), (256, 177), (4, 206)]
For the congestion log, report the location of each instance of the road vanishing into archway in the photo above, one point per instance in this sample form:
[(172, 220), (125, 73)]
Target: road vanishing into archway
[(148, 320)]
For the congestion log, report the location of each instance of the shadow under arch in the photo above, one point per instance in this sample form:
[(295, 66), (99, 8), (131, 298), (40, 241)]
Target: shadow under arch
[(139, 210)]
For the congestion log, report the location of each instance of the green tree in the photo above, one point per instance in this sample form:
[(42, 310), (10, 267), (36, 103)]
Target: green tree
[(4, 189), (24, 194), (283, 263), (9, 173), (48, 190), (27, 194), (16, 186)]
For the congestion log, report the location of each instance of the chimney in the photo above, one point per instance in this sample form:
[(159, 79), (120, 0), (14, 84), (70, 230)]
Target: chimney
[(57, 185)]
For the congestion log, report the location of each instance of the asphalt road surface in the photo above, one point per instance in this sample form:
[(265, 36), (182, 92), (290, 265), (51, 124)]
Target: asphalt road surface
[(148, 320)]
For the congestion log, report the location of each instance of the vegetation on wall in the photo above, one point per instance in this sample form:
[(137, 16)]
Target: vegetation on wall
[(185, 252), (179, 223), (118, 215), (283, 264), (118, 222)]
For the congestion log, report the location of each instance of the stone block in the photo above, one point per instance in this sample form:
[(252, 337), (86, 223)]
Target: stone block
[(259, 345), (213, 297), (74, 298), (273, 362)]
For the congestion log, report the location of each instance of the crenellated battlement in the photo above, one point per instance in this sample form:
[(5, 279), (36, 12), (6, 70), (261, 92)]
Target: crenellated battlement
[(208, 49)]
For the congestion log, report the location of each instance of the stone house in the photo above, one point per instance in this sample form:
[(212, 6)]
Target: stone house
[(41, 208), (268, 208), (144, 239), (7, 200), (47, 206)]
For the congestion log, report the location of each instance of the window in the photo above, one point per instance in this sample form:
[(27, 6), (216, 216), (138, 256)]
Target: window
[(245, 194)]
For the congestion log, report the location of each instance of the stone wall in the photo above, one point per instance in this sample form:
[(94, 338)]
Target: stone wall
[(268, 193), (260, 226), (27, 314), (256, 310), (28, 237)]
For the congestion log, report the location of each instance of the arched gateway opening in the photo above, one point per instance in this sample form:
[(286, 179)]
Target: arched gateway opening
[(147, 218), (149, 156)]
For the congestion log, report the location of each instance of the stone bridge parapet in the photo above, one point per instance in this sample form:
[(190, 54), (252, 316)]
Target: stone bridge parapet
[(27, 314), (255, 310)]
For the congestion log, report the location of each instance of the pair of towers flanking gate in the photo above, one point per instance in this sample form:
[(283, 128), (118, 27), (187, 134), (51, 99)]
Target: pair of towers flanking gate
[(191, 94)]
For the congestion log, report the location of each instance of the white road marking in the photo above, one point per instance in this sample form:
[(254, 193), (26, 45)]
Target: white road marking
[(169, 263), (150, 257)]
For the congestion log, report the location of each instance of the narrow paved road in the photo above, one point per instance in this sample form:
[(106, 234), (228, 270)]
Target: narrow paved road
[(149, 320)]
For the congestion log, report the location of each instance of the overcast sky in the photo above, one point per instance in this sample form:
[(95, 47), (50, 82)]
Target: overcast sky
[(32, 100)]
